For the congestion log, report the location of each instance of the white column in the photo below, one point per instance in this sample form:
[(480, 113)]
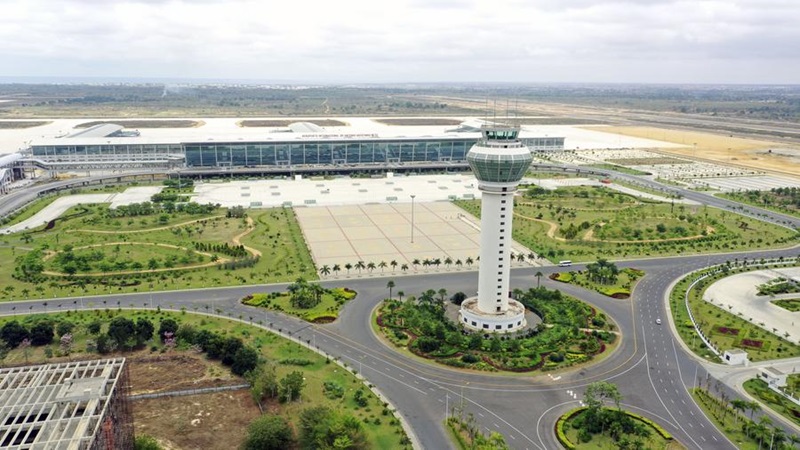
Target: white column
[(493, 276)]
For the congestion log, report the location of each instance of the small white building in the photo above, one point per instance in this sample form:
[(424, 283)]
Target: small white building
[(773, 376), (735, 357)]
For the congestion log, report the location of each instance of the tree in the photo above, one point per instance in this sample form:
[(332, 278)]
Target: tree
[(600, 391), (382, 265), (268, 432), (291, 386), (167, 325), (324, 428), (360, 266), (738, 405), (393, 264), (348, 266), (469, 261), (325, 270), (42, 333), (94, 327), (244, 360), (458, 298), (64, 327), (121, 330), (264, 383), (538, 276), (390, 286), (144, 330), (13, 333)]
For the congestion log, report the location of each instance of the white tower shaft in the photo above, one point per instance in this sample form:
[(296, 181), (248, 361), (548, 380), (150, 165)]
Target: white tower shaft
[(497, 212)]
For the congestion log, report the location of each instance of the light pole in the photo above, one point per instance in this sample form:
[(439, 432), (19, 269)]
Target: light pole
[(412, 217)]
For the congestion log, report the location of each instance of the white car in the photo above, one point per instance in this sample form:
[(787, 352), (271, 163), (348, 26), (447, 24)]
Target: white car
[(658, 321)]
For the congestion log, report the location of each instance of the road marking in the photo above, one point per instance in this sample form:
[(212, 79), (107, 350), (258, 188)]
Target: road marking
[(512, 437), (481, 414)]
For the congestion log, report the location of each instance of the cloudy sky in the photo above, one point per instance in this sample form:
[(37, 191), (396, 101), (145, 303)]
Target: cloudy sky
[(694, 41)]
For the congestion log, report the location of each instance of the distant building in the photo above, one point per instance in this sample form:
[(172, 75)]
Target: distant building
[(75, 405), (300, 144)]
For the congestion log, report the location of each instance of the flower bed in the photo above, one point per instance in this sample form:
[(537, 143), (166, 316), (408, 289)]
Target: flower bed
[(726, 331)]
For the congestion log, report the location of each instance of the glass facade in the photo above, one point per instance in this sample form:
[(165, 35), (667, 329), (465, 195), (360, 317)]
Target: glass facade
[(283, 153), (221, 154), (499, 168)]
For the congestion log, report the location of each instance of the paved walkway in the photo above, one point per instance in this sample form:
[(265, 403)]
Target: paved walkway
[(738, 293)]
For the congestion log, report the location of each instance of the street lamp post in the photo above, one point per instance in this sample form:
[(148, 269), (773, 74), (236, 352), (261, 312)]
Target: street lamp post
[(412, 217)]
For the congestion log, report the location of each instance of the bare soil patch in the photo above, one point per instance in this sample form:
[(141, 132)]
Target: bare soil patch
[(285, 123), (128, 123), (418, 122), (724, 148), (177, 371), (15, 125), (197, 422)]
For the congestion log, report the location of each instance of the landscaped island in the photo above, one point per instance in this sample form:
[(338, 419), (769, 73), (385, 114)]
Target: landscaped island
[(571, 333), (309, 301)]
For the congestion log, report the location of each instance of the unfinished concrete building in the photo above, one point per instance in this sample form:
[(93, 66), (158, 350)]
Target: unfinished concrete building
[(72, 406)]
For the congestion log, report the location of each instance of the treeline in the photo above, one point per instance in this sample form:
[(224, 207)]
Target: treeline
[(150, 208), (236, 251)]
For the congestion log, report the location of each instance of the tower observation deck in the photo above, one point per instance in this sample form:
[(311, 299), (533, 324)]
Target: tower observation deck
[(499, 161)]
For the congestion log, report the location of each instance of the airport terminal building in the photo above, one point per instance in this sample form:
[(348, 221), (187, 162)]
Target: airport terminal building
[(303, 144)]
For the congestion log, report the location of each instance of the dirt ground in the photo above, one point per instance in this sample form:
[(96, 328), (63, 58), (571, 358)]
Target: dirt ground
[(197, 422), (756, 154), (164, 372), (205, 421)]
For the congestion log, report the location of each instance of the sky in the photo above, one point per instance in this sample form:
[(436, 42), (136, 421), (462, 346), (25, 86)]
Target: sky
[(403, 41)]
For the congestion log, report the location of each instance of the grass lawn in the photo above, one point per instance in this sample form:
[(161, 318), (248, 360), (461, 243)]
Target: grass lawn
[(381, 429), (274, 235), (326, 311), (767, 200), (585, 223), (759, 389), (724, 329)]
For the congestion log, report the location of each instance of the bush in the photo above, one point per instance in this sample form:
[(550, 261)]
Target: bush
[(428, 344), (145, 442), (469, 358), (268, 432)]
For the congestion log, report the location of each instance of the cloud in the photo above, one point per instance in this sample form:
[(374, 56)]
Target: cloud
[(406, 40)]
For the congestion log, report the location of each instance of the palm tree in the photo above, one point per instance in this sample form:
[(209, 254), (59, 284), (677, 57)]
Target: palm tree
[(531, 256), (447, 261), (325, 270), (469, 261), (738, 405), (348, 266), (390, 286), (442, 294), (336, 269), (360, 266), (415, 263), (382, 265), (400, 295), (459, 263), (371, 266), (538, 276), (404, 267), (393, 264), (25, 292), (753, 406)]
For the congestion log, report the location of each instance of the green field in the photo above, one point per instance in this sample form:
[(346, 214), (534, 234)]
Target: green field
[(381, 428), (724, 329), (782, 200), (603, 441), (620, 287), (586, 223), (91, 250)]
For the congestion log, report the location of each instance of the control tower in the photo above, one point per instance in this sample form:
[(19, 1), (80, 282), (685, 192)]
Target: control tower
[(499, 161)]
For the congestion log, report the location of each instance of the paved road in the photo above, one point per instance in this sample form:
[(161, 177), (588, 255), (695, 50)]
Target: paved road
[(650, 367)]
